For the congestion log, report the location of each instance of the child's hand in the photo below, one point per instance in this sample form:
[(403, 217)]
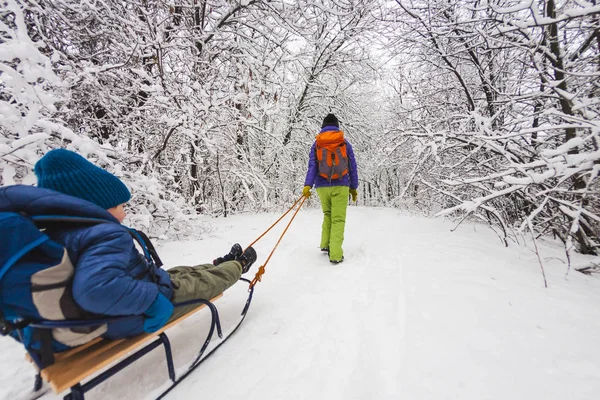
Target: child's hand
[(158, 313)]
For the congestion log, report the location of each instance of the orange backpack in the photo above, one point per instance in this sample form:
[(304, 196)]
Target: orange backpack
[(332, 158)]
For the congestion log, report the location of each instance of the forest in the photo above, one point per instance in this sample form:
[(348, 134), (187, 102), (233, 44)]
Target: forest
[(479, 110)]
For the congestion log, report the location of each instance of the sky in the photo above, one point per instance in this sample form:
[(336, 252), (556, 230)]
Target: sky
[(415, 312)]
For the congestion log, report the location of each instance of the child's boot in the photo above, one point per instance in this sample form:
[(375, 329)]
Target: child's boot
[(236, 251)]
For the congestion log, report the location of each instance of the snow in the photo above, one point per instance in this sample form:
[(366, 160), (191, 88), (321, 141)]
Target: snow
[(415, 312), (532, 177)]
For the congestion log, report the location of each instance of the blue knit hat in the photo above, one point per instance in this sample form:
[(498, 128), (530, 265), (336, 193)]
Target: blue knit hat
[(67, 172)]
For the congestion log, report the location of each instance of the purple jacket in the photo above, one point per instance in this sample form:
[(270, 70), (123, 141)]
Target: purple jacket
[(313, 177)]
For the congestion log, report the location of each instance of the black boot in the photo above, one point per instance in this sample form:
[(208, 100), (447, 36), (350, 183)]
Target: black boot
[(234, 253), (247, 259)]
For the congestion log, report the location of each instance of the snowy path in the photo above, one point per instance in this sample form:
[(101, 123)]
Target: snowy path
[(326, 330), (415, 312)]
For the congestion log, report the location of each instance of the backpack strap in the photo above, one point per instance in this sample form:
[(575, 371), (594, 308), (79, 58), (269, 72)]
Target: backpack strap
[(153, 253), (45, 355), (17, 256), (139, 236)]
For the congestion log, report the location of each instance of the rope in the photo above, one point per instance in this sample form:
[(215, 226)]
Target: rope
[(261, 270), (276, 222), (199, 359)]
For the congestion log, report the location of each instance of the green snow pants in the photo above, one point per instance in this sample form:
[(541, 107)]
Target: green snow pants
[(201, 282), (334, 201)]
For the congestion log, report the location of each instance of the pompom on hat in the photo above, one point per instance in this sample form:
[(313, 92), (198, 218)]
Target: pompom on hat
[(69, 173), (330, 120)]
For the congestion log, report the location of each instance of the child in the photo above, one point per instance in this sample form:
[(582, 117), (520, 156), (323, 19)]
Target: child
[(111, 277)]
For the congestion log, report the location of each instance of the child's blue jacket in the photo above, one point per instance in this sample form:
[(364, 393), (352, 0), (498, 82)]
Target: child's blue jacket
[(111, 277)]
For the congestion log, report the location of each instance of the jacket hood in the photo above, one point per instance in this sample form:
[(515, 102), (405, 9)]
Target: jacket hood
[(35, 201)]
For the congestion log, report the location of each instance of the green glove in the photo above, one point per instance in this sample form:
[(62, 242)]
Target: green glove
[(306, 191), (354, 194)]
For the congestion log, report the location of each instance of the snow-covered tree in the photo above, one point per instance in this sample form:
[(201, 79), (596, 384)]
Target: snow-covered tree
[(500, 102)]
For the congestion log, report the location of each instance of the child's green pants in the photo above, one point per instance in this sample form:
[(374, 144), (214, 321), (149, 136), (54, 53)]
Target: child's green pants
[(201, 282)]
